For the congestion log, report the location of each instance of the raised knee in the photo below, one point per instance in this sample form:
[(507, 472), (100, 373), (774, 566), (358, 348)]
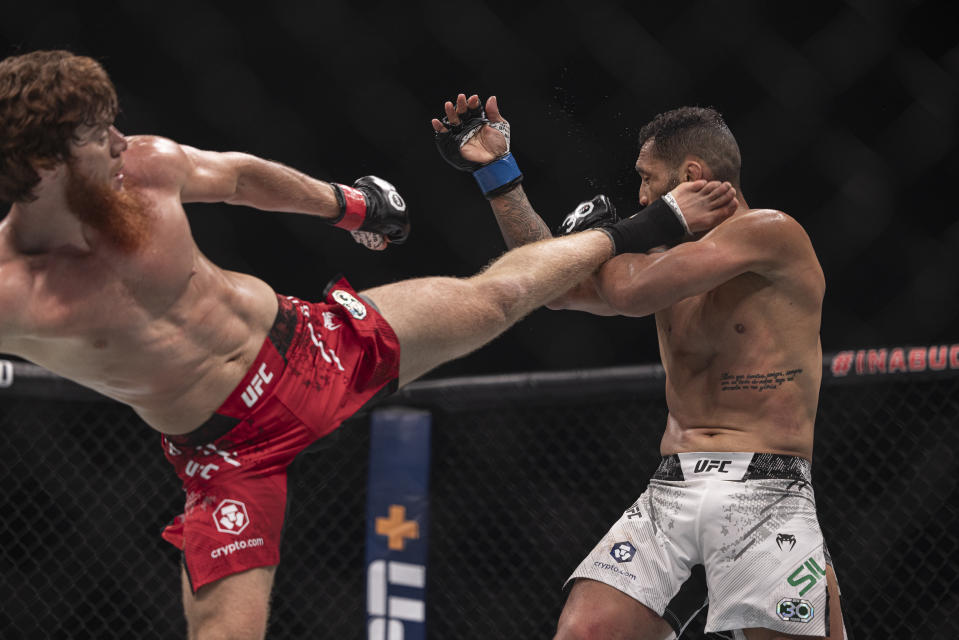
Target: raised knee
[(587, 626)]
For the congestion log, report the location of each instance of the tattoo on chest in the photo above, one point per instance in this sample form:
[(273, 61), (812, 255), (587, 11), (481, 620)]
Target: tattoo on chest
[(769, 381)]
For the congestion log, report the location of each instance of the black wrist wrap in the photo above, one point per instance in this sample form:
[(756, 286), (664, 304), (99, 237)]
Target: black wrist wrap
[(654, 226)]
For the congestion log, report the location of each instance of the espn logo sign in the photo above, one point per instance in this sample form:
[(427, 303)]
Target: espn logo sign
[(254, 390), (388, 612)]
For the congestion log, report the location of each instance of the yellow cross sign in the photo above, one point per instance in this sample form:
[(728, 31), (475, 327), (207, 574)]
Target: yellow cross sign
[(397, 528)]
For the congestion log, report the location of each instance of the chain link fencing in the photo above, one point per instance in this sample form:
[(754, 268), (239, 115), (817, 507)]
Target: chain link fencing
[(528, 473)]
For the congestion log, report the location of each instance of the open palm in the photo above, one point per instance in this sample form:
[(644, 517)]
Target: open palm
[(488, 143)]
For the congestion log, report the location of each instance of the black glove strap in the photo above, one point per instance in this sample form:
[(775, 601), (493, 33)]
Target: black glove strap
[(654, 226), (341, 201)]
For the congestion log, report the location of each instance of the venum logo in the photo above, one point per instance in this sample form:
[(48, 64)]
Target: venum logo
[(623, 552), (255, 389), (329, 321), (231, 517), (328, 354), (708, 465), (787, 538)]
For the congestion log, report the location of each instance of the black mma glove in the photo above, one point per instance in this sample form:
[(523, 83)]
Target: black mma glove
[(592, 214), (659, 223), (494, 178), (372, 204)]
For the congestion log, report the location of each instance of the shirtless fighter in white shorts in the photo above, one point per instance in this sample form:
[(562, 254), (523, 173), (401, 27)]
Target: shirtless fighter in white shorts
[(738, 313)]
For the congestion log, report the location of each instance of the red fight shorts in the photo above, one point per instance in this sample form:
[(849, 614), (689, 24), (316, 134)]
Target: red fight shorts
[(320, 364)]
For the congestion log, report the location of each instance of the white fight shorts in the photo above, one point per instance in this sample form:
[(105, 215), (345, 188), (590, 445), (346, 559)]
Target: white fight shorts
[(749, 519)]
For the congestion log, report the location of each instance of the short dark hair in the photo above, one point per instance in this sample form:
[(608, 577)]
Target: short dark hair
[(699, 131), (44, 97)]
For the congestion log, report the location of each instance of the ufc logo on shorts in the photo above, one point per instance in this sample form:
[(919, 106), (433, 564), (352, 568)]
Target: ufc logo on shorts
[(206, 470), (387, 612), (708, 465), (254, 390)]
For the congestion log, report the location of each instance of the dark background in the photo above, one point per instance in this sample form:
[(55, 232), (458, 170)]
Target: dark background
[(845, 112)]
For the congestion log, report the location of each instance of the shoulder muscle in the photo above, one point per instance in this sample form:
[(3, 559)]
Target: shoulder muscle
[(156, 163), (775, 246), (769, 239)]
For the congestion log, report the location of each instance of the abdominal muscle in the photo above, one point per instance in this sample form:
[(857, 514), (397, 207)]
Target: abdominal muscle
[(752, 422), (243, 315), (680, 439), (742, 372), (174, 363)]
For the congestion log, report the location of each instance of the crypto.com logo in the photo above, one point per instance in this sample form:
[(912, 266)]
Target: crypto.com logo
[(231, 517), (623, 551)]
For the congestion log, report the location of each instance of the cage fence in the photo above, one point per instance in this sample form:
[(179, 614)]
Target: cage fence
[(527, 473)]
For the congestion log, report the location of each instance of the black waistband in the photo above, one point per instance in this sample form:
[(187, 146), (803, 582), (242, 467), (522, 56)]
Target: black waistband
[(210, 431), (763, 466), (281, 337), (284, 326)]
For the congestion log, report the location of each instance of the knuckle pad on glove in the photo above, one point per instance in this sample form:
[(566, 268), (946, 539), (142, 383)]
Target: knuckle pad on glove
[(385, 209), (590, 214)]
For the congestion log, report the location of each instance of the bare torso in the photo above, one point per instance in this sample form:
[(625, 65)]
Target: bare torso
[(738, 315), (162, 329), (743, 365)]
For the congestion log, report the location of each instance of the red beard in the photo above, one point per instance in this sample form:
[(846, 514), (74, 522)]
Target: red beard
[(119, 216)]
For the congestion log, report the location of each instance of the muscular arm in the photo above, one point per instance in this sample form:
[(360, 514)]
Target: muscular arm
[(517, 220), (235, 178), (768, 243), (239, 178), (520, 224)]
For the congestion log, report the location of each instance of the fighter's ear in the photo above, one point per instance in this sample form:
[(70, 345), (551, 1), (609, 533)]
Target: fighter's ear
[(47, 168), (693, 169)]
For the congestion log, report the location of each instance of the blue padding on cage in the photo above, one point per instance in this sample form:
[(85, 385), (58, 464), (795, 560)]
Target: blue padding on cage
[(397, 520)]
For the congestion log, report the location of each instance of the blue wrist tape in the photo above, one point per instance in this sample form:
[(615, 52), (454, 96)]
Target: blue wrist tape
[(497, 174)]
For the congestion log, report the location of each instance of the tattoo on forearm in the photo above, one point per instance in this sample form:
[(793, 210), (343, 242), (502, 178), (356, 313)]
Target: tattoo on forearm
[(517, 220), (756, 381)]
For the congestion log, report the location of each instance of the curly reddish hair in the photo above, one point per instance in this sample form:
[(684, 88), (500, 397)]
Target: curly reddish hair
[(44, 97)]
